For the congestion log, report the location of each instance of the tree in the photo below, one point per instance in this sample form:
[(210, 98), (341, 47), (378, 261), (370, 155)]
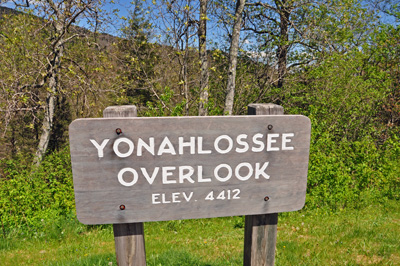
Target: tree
[(204, 74), (233, 53), (292, 35), (176, 23), (281, 26), (56, 32), (137, 26), (136, 58), (19, 104), (384, 53)]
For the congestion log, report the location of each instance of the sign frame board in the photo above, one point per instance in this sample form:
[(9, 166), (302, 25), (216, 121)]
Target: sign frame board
[(129, 170)]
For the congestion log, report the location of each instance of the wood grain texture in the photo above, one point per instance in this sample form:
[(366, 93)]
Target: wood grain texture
[(120, 111), (128, 237), (129, 244), (99, 194), (261, 230), (260, 239)]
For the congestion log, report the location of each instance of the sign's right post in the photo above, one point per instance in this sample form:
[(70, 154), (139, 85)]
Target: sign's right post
[(261, 230)]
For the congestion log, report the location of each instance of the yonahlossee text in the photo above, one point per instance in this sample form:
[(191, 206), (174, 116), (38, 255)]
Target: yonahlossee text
[(223, 144)]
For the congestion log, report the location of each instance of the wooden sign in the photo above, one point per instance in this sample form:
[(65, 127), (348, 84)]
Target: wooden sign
[(128, 170)]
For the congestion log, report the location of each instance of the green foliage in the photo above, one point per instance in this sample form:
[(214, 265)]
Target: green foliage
[(165, 106), (33, 199), (350, 174), (354, 147), (27, 65), (350, 91), (341, 100)]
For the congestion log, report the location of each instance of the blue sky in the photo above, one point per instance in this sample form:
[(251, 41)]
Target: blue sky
[(124, 6)]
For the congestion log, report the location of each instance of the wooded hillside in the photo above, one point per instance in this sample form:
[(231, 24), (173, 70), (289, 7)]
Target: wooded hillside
[(336, 62)]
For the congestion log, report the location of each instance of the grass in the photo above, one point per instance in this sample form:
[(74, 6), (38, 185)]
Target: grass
[(369, 236)]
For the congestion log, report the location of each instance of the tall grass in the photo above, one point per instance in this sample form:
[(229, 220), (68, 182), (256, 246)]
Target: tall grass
[(368, 236)]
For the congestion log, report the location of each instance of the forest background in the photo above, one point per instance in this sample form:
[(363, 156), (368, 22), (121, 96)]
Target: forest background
[(336, 62)]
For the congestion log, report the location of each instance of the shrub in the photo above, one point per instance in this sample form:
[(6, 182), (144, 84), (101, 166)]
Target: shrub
[(29, 198), (349, 174)]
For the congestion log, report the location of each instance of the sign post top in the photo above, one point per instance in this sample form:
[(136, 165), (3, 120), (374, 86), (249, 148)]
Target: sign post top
[(120, 111)]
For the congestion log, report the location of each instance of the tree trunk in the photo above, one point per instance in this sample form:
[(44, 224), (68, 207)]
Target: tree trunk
[(47, 126), (233, 53), (185, 74), (204, 76), (50, 107), (283, 45), (186, 61)]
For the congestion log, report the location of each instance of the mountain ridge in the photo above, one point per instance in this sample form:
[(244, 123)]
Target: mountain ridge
[(104, 40)]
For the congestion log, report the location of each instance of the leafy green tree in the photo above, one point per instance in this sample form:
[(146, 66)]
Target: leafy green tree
[(293, 34), (384, 54), (136, 57), (176, 25), (21, 103), (58, 19), (137, 25), (47, 63)]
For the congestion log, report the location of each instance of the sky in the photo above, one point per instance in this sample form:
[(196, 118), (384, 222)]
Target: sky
[(121, 8)]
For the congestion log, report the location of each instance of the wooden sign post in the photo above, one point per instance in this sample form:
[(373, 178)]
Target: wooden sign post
[(129, 170), (261, 230), (128, 237)]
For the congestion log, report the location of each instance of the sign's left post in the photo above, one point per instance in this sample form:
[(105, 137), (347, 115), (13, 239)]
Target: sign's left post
[(128, 237)]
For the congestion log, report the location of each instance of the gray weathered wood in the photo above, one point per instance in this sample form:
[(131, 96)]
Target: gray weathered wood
[(264, 109), (261, 230), (120, 111), (260, 239), (99, 192), (129, 244), (128, 237)]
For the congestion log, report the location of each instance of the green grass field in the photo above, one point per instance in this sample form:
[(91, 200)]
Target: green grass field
[(370, 236)]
